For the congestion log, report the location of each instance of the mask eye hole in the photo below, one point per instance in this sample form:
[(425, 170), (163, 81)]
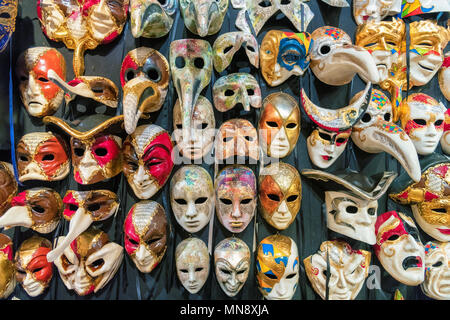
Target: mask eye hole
[(180, 63), (227, 139), (273, 197), (250, 92), (133, 242), (248, 138), (439, 210), (133, 166), (38, 209), (325, 136), (23, 158), (179, 126), (341, 140), (93, 207), (265, 4), (291, 125), (153, 74), (271, 276), (181, 201), (129, 75), (251, 49), (98, 90), (246, 201), (393, 237), (292, 275), (226, 201), (391, 43), (225, 271), (366, 117), (229, 93), (201, 200), (420, 122), (79, 152), (5, 15), (351, 209), (371, 211), (101, 152), (151, 241), (202, 126), (37, 270), (241, 271), (97, 263), (42, 79), (48, 157), (162, 2), (73, 207), (227, 49), (23, 78), (437, 264), (272, 124), (292, 198), (387, 117), (198, 269), (184, 270), (325, 49), (199, 63), (438, 122)]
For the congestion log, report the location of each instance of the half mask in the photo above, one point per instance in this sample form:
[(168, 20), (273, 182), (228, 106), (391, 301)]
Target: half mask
[(367, 11), (8, 12), (437, 270), (444, 77), (445, 139), (152, 18), (7, 268), (227, 44), (203, 17), (416, 7), (8, 186)]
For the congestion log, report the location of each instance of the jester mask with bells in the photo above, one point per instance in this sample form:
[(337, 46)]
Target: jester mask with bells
[(376, 132), (416, 7), (236, 88), (335, 60), (145, 234), (333, 127), (192, 263), (399, 248), (82, 208), (437, 270), (148, 159), (227, 44), (429, 198), (8, 186), (348, 270), (40, 96), (82, 24), (445, 139), (236, 197), (351, 200), (7, 268), (279, 124), (232, 265), (42, 156), (192, 197), (144, 76), (444, 77), (203, 17), (8, 14), (33, 271), (367, 11), (38, 208), (284, 54), (280, 194), (422, 118), (152, 18), (90, 262)]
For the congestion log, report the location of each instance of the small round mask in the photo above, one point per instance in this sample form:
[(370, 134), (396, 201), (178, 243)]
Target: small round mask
[(203, 17), (7, 268), (437, 270)]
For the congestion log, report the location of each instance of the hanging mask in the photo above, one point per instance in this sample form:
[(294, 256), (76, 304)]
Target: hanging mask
[(145, 236), (444, 77), (8, 12), (284, 54), (280, 194), (33, 271), (416, 7), (144, 76), (38, 208), (192, 197), (227, 44), (203, 17), (335, 60), (82, 24), (348, 270), (232, 265), (40, 96), (8, 186), (235, 189), (437, 273), (42, 156), (90, 262), (147, 159), (236, 88), (152, 18), (445, 139), (279, 125), (201, 134), (367, 11), (7, 268), (192, 263)]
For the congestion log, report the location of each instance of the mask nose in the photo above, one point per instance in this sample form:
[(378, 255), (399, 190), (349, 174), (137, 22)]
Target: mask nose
[(431, 131), (33, 87), (141, 178), (411, 244), (281, 135), (371, 8), (330, 148), (192, 279), (191, 211), (364, 219), (141, 253), (281, 288), (283, 209), (236, 213), (80, 274)]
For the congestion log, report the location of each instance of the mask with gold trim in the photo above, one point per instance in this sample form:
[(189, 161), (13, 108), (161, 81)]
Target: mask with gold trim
[(8, 186), (8, 12), (152, 18), (445, 139), (7, 268), (203, 17), (367, 11), (415, 7), (444, 77), (437, 270)]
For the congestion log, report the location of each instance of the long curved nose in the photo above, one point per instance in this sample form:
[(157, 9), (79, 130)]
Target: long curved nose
[(16, 216), (204, 11)]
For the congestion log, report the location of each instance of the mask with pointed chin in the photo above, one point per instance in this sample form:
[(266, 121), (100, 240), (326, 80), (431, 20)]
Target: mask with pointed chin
[(437, 270), (203, 17), (8, 186), (367, 11), (7, 268), (152, 18)]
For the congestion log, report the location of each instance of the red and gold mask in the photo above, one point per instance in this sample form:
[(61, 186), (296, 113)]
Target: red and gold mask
[(8, 186), (7, 268)]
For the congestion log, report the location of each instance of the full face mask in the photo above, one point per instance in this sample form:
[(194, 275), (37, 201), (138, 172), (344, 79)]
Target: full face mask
[(437, 270), (90, 262), (235, 189), (348, 270), (280, 194), (192, 197), (34, 272), (367, 11), (145, 236), (152, 18), (192, 263), (8, 186), (8, 12), (284, 54), (82, 24), (147, 159), (144, 76), (7, 268), (416, 7), (232, 265), (399, 248), (445, 139), (444, 77), (203, 17), (279, 125), (38, 208)]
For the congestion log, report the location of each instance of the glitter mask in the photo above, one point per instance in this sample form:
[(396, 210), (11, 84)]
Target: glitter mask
[(8, 13), (152, 18), (7, 268), (437, 270), (203, 17), (415, 7)]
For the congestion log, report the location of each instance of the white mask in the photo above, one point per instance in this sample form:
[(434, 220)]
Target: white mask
[(374, 10), (437, 271)]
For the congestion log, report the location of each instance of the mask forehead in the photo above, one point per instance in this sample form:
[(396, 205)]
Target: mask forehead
[(192, 180), (239, 176), (232, 250)]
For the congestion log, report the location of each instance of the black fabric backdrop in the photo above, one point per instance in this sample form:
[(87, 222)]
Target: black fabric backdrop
[(308, 230)]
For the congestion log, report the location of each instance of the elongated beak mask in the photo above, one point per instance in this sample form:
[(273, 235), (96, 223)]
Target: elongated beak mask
[(152, 19), (203, 17)]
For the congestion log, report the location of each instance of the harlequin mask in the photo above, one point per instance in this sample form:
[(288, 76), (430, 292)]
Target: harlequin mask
[(82, 24), (90, 262), (203, 17), (444, 77), (279, 124), (416, 7), (40, 96), (144, 76), (227, 44), (367, 11), (236, 88), (445, 139), (232, 265), (348, 270), (147, 159), (8, 186), (192, 197), (152, 18), (8, 11), (335, 60), (280, 194), (7, 268), (284, 54), (145, 236), (192, 263), (34, 272), (235, 189), (437, 273)]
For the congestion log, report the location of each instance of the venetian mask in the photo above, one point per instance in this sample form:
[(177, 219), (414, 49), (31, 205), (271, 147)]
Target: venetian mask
[(8, 12), (152, 18), (144, 76), (416, 7), (348, 270), (445, 139), (284, 54), (437, 270), (444, 77), (192, 197), (33, 271), (279, 125), (8, 186), (146, 234), (7, 268), (203, 17), (367, 11), (90, 262), (148, 159), (235, 189), (232, 265), (192, 263)]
